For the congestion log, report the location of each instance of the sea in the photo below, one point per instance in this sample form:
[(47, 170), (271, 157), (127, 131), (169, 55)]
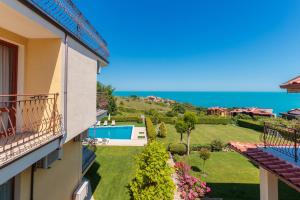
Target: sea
[(278, 101)]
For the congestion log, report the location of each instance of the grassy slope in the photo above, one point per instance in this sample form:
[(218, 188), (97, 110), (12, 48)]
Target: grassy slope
[(233, 177), (204, 134), (112, 172), (141, 105)]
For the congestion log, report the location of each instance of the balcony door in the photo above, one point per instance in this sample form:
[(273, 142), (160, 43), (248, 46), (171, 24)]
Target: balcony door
[(8, 85)]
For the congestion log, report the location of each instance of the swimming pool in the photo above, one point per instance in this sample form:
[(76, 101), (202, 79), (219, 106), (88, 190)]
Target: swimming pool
[(111, 132)]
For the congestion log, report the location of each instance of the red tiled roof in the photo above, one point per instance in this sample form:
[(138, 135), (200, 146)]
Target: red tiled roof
[(286, 171), (254, 111), (292, 85)]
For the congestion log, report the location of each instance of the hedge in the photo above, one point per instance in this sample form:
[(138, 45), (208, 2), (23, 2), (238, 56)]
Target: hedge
[(126, 119), (179, 148), (250, 124), (151, 132), (167, 120), (214, 120)]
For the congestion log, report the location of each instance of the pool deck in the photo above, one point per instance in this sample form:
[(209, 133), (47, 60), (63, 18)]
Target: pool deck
[(135, 141)]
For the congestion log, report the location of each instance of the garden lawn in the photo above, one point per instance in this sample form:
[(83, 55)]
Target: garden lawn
[(112, 171), (232, 177), (205, 133)]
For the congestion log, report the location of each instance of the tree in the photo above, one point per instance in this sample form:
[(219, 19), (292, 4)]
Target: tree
[(162, 130), (204, 155), (105, 98), (153, 174), (190, 120), (178, 108), (181, 128)]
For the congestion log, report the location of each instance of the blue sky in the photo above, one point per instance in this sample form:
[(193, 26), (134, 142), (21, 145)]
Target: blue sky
[(198, 45)]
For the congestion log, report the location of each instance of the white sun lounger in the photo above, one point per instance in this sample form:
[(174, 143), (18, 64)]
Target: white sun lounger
[(105, 123), (113, 122), (98, 123), (105, 140)]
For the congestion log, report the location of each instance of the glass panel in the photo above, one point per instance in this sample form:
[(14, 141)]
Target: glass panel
[(6, 190)]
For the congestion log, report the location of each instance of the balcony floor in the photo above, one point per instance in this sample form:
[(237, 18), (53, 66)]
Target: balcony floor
[(20, 144)]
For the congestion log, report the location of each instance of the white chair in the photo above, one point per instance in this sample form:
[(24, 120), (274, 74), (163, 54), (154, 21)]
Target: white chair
[(105, 123), (98, 123), (105, 140), (113, 122)]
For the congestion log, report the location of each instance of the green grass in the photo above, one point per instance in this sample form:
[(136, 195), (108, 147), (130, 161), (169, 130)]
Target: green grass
[(140, 105), (205, 133), (232, 177), (112, 172)]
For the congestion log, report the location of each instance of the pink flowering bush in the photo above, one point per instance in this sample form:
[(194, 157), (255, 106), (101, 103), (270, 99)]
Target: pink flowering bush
[(190, 187)]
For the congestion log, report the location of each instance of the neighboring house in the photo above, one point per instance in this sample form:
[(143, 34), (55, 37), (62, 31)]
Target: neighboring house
[(223, 112), (291, 114), (263, 112), (49, 59), (278, 155)]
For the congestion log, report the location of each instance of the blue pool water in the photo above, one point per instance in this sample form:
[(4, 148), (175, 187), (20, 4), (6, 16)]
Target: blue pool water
[(112, 132)]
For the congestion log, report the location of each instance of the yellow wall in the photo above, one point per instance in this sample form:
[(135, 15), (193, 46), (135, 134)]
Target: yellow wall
[(60, 181), (43, 66), (24, 185), (7, 35)]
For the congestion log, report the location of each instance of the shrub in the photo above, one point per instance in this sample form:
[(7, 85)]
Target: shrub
[(153, 175), (179, 148), (178, 108), (190, 187), (204, 155), (171, 114), (121, 103), (162, 130), (198, 147), (151, 132), (176, 158), (250, 124), (156, 118), (216, 145), (214, 120)]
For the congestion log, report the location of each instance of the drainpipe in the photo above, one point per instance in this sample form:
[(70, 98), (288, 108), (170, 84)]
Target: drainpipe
[(66, 84)]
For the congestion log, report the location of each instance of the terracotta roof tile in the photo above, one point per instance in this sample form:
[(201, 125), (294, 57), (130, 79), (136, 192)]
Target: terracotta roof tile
[(286, 171)]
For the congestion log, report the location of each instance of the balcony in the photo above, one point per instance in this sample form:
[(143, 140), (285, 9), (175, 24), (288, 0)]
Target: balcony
[(282, 141), (27, 122)]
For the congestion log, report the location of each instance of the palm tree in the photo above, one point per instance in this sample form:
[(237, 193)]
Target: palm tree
[(190, 120), (181, 128)]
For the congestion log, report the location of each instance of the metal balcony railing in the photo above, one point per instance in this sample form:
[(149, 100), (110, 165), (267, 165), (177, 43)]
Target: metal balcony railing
[(67, 15), (26, 123), (282, 139)]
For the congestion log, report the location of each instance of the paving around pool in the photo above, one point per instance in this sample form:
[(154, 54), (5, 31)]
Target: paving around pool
[(126, 135)]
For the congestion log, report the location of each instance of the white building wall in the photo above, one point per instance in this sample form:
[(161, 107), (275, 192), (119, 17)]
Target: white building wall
[(81, 89)]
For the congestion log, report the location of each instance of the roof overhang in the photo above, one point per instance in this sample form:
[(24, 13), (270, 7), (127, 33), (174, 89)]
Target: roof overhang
[(292, 86), (285, 171)]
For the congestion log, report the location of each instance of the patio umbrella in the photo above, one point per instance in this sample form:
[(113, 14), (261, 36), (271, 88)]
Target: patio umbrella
[(109, 117)]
